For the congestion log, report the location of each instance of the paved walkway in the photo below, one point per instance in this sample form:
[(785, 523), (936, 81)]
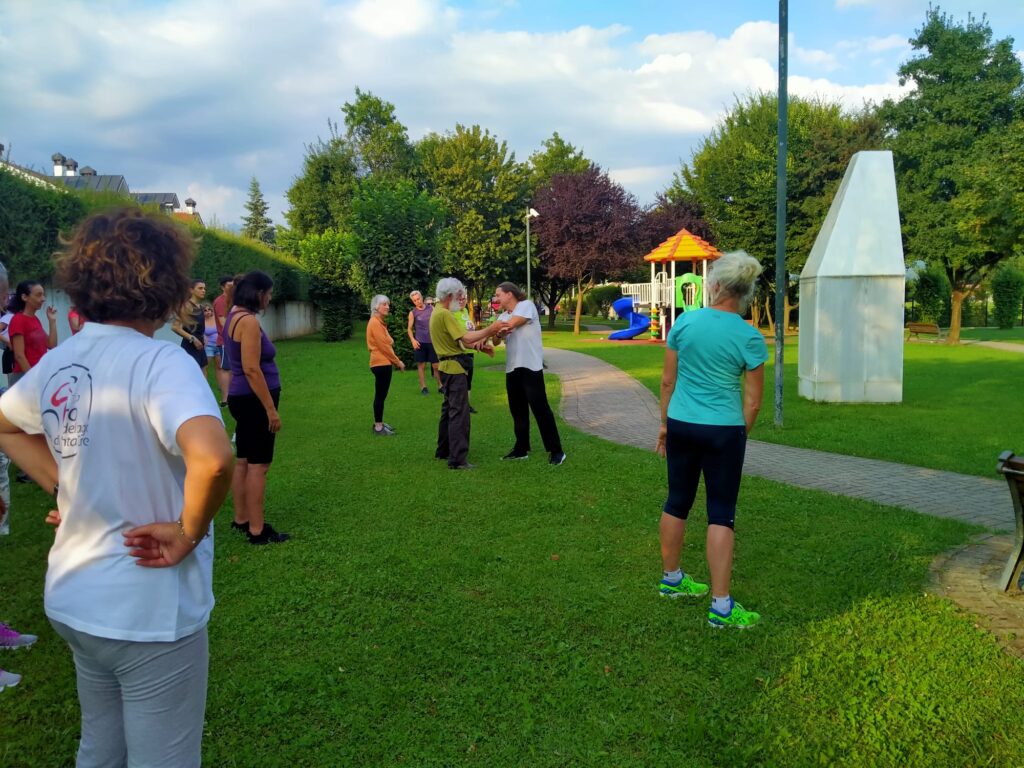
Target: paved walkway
[(602, 400), (1005, 346)]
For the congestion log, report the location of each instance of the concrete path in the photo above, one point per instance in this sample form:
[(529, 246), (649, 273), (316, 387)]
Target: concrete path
[(1005, 346), (600, 399)]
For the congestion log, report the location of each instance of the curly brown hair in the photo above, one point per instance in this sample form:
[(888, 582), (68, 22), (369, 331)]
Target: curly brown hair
[(123, 264)]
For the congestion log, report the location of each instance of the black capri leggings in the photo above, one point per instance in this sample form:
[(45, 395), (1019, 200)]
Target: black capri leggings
[(718, 452), (382, 385), (254, 441)]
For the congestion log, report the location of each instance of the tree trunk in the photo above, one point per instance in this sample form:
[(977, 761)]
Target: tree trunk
[(788, 308), (579, 307), (768, 313), (956, 306), (755, 313)]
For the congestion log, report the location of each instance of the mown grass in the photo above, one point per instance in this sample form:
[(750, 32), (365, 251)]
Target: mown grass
[(961, 406), (507, 616)]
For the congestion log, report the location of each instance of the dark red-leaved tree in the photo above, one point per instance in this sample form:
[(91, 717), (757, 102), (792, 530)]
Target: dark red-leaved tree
[(588, 229), (670, 214)]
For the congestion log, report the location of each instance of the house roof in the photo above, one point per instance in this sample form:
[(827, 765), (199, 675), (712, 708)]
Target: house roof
[(100, 183), (157, 198), (35, 177), (684, 246)]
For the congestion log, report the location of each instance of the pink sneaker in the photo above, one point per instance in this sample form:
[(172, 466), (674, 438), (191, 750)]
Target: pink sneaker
[(8, 679), (11, 639)]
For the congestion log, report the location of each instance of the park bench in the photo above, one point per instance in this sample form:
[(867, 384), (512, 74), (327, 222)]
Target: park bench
[(1012, 468), (929, 329)]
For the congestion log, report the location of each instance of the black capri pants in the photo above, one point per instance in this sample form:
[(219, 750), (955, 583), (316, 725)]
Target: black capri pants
[(381, 386), (717, 452), (254, 441)]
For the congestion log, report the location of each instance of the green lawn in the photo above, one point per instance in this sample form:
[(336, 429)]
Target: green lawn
[(961, 406), (1014, 335), (507, 616)]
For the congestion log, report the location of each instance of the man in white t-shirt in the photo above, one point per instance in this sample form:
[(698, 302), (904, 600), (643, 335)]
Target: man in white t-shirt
[(113, 422), (524, 375)]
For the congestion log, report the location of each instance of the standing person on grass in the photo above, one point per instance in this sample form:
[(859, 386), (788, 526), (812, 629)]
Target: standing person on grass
[(705, 420), (28, 339), (382, 358), (452, 341), (524, 375), (221, 305), (253, 397), (131, 431), (422, 345), (190, 326)]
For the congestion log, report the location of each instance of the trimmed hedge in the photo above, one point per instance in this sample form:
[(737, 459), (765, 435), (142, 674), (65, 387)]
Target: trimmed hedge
[(1008, 292), (34, 218)]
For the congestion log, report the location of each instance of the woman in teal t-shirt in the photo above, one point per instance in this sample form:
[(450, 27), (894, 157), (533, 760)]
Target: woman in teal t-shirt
[(705, 418)]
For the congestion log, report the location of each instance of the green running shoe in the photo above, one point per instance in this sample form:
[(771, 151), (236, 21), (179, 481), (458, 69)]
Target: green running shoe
[(685, 588), (739, 617)]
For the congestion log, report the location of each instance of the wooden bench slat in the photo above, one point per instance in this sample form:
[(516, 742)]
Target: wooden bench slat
[(1012, 468)]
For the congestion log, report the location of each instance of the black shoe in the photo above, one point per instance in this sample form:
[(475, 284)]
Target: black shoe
[(514, 456), (224, 404), (268, 536), (243, 527), (21, 477), (472, 409), (557, 458), (467, 465), (440, 457)]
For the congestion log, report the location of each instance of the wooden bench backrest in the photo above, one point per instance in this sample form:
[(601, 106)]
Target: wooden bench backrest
[(1012, 468)]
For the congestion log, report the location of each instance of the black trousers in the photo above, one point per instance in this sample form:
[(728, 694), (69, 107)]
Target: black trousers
[(716, 452), (453, 429), (382, 385), (525, 390)]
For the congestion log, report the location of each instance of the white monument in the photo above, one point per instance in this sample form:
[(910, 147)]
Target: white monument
[(851, 292)]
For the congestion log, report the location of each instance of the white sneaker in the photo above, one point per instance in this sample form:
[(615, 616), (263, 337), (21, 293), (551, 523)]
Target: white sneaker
[(8, 679), (10, 638)]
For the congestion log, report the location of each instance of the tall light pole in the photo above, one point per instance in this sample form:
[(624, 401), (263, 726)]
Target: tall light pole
[(530, 213), (780, 210)]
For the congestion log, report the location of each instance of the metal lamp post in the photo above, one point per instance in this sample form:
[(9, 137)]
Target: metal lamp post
[(530, 213)]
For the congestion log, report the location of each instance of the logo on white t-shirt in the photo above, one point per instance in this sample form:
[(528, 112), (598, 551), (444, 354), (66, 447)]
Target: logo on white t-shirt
[(67, 403)]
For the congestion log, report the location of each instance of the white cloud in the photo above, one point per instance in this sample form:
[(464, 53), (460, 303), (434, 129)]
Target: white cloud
[(201, 96)]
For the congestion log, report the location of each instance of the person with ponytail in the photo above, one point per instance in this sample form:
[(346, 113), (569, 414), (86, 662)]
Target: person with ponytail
[(706, 416)]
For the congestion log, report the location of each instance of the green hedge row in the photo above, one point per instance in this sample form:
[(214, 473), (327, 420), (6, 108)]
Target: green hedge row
[(34, 218)]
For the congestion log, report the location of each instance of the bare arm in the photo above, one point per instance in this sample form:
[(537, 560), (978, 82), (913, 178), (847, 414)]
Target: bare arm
[(30, 452), (482, 334), (412, 336), (51, 319), (18, 346), (669, 374), (248, 330), (208, 468), (753, 391)]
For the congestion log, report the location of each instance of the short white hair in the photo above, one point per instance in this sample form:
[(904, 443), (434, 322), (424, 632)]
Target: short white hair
[(415, 293), (376, 301), (734, 274), (449, 286)]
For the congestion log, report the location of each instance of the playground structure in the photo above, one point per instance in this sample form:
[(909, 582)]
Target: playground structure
[(668, 292)]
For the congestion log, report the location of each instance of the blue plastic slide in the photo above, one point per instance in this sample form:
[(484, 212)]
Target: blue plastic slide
[(638, 322)]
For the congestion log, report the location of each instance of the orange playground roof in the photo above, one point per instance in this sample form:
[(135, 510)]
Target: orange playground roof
[(684, 246)]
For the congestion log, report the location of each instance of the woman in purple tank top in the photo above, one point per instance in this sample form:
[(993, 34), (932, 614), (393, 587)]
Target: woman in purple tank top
[(253, 397)]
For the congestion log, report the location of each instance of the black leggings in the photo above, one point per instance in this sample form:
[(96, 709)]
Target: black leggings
[(718, 452), (382, 384)]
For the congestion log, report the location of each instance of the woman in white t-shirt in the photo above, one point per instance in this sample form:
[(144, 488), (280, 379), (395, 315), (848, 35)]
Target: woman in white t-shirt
[(524, 375), (113, 422)]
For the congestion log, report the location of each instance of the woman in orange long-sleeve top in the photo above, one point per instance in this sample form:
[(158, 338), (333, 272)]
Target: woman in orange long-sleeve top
[(382, 358)]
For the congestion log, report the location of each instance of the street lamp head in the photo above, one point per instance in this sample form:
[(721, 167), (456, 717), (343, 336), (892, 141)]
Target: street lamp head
[(532, 213)]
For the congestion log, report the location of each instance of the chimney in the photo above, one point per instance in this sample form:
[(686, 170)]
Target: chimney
[(58, 164), (87, 171), (72, 167), (190, 207)]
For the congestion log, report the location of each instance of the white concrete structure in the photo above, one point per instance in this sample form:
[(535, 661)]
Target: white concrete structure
[(852, 291)]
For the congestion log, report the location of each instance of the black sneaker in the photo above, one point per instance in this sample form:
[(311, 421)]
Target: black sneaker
[(467, 465), (424, 391), (514, 456), (268, 536), (243, 527), (557, 458), (472, 409)]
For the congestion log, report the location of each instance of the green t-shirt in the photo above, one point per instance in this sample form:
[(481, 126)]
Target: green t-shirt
[(445, 332)]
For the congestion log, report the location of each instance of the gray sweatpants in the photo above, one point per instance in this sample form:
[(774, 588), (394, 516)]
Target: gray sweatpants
[(142, 703)]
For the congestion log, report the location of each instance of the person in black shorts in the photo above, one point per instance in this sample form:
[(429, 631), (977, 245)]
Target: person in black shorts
[(419, 335)]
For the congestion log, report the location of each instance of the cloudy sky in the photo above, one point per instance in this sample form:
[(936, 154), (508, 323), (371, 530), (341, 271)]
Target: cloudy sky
[(197, 97)]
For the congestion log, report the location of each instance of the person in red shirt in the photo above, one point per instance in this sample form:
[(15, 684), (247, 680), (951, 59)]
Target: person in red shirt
[(75, 320), (28, 339)]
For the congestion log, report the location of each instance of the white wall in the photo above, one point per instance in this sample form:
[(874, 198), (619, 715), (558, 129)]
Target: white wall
[(852, 290), (281, 321)]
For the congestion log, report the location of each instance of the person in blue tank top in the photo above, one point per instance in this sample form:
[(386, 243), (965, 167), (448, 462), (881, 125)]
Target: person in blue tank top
[(711, 391)]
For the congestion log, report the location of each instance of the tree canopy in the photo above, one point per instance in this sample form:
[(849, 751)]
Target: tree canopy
[(256, 225)]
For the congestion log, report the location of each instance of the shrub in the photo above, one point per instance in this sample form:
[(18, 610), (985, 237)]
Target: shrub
[(221, 253), (933, 294), (1008, 293), (598, 300)]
